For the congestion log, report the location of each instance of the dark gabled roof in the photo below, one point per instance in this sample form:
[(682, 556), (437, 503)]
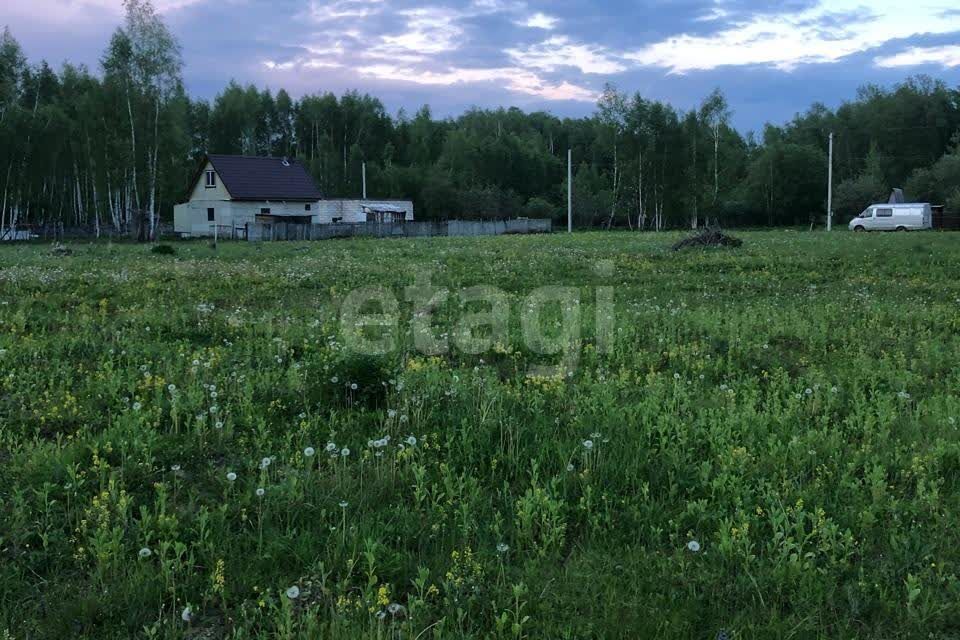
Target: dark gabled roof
[(255, 178)]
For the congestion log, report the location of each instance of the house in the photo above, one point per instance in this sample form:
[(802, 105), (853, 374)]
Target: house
[(229, 192)]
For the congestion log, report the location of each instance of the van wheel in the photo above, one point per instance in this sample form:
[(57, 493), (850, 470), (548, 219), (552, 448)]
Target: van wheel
[(901, 228), (859, 229)]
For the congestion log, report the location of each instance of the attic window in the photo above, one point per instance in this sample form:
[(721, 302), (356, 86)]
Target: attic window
[(306, 207), (211, 179), (264, 211)]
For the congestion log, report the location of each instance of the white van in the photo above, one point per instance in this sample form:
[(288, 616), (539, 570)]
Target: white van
[(894, 217)]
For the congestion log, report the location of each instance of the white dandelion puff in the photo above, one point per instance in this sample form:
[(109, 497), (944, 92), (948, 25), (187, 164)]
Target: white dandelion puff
[(145, 552), (293, 592), (693, 546), (309, 451)]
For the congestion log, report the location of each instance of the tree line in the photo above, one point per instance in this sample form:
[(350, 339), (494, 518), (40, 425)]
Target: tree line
[(118, 146)]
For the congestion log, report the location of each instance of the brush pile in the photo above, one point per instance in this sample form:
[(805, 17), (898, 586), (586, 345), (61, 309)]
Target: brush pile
[(708, 237)]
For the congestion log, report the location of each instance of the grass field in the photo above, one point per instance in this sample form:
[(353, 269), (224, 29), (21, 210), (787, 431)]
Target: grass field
[(763, 444)]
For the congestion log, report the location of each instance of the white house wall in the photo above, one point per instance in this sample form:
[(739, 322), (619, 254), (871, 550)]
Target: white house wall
[(190, 219), (202, 192)]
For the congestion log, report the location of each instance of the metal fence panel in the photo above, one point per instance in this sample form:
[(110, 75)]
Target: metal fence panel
[(267, 231)]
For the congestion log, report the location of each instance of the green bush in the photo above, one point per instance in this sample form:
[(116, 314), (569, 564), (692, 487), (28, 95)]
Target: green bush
[(163, 250)]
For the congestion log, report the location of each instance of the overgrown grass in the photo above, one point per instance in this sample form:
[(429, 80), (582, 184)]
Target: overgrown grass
[(791, 407)]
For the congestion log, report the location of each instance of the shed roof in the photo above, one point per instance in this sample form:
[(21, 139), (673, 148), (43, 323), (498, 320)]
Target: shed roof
[(378, 207), (259, 178)]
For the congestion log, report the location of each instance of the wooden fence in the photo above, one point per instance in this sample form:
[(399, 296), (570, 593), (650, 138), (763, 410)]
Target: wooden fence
[(267, 231)]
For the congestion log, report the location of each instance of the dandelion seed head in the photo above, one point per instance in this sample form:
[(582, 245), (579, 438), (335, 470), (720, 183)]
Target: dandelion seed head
[(231, 476), (293, 592), (309, 451), (693, 546), (145, 552)]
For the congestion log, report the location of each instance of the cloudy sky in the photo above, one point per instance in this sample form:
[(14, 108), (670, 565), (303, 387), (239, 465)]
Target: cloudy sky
[(772, 59)]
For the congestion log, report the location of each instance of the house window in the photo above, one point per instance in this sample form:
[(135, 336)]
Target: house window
[(264, 211), (211, 179), (211, 216), (306, 207)]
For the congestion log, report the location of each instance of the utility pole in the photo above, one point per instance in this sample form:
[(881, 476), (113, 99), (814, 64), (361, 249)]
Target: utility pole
[(830, 186), (569, 190), (363, 168)]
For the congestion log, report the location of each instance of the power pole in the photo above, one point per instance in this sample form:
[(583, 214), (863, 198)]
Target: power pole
[(830, 186), (569, 190), (363, 168)]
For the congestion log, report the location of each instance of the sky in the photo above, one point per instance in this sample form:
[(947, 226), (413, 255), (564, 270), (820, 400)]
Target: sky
[(771, 59)]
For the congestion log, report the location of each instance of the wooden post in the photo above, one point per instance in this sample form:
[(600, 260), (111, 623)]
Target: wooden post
[(569, 190), (830, 186)]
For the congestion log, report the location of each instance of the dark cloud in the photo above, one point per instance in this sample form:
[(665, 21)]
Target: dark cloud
[(535, 54)]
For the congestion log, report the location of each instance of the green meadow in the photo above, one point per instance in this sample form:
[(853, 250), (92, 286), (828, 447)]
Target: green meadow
[(760, 442)]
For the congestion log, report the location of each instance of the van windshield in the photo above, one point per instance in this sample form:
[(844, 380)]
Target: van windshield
[(867, 213)]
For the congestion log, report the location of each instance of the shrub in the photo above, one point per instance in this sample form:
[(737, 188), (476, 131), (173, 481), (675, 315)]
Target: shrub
[(163, 250)]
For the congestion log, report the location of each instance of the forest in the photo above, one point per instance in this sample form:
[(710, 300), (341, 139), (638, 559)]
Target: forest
[(99, 148)]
